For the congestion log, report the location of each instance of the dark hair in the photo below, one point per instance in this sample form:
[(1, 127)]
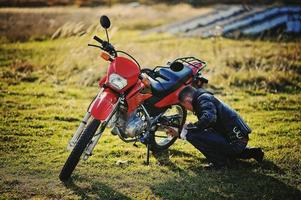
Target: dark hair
[(186, 91)]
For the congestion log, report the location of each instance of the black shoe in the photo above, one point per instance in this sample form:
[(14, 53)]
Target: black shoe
[(255, 153), (258, 154)]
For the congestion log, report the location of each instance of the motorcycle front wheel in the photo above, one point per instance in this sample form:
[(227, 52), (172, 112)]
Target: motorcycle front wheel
[(159, 140), (78, 150)]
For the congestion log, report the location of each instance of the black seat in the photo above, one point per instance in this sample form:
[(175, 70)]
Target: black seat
[(168, 81)]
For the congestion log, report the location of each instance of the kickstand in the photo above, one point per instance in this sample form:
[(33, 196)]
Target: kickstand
[(147, 155)]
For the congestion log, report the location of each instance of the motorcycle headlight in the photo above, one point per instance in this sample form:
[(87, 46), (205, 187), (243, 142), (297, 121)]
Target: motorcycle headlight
[(117, 81)]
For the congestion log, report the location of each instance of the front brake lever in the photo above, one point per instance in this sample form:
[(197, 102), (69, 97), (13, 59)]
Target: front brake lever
[(93, 45), (106, 46)]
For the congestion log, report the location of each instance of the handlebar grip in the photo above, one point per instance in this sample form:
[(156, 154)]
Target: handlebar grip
[(98, 39)]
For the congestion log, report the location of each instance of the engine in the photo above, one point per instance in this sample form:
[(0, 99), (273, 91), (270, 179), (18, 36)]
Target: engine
[(129, 126), (135, 125)]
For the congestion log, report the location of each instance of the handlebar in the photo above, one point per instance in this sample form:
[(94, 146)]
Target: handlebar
[(98, 39), (106, 46)]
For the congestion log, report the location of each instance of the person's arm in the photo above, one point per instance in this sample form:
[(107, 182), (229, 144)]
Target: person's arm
[(206, 111)]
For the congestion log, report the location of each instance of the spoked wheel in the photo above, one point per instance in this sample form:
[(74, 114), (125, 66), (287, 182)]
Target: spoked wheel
[(78, 150), (160, 140)]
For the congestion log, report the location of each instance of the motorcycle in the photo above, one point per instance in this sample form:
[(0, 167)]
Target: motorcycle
[(140, 105)]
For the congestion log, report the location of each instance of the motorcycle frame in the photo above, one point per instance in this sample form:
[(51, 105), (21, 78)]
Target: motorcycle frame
[(132, 95)]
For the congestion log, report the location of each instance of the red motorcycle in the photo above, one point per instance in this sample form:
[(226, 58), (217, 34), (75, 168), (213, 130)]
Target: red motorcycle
[(138, 104)]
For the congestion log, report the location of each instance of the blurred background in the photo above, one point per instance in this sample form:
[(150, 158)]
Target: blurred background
[(48, 76), (158, 31)]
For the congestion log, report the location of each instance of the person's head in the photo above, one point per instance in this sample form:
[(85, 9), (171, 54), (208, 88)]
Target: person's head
[(186, 97)]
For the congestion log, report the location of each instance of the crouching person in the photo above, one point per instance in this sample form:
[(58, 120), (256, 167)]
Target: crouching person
[(220, 133)]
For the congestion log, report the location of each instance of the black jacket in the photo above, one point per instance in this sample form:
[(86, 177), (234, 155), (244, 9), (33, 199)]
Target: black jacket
[(213, 113)]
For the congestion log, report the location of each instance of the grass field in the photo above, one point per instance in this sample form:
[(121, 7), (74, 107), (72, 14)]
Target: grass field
[(47, 85)]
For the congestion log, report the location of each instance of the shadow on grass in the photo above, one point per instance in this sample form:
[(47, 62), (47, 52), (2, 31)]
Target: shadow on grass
[(247, 181), (178, 153), (163, 158), (93, 190)]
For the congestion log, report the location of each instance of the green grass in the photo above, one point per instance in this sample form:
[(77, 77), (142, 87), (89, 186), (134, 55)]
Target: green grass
[(46, 87), (37, 120)]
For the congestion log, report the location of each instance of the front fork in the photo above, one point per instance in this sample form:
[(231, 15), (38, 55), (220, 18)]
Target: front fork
[(78, 132), (81, 127), (89, 149)]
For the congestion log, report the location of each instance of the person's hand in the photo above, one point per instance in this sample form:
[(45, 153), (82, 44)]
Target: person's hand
[(172, 132)]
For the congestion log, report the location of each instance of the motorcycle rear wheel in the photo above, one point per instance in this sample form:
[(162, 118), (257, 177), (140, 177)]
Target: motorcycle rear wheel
[(78, 150), (163, 144)]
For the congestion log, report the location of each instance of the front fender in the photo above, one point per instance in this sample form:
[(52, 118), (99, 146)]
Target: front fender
[(103, 105)]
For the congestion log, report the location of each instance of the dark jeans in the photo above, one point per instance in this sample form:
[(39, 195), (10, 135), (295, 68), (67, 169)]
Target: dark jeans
[(215, 147)]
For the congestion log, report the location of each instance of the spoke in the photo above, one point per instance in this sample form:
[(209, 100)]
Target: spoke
[(174, 117)]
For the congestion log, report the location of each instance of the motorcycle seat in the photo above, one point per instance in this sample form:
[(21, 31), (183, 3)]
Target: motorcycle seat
[(166, 81)]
